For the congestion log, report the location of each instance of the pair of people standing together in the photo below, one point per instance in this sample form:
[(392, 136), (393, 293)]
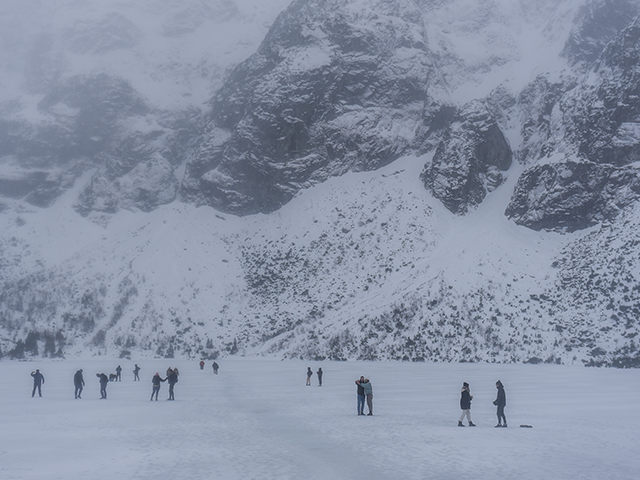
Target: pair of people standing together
[(465, 405), (365, 390)]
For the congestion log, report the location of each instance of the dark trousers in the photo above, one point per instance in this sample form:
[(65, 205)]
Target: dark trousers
[(156, 390), (103, 391), (501, 416), (360, 404), (171, 391), (38, 387), (78, 390)]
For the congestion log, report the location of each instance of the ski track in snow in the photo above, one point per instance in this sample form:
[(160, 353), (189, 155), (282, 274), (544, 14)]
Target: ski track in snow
[(257, 420)]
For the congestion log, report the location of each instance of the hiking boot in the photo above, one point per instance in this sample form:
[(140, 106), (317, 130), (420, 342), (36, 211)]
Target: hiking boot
[(460, 424), (504, 426), (498, 425), (471, 424)]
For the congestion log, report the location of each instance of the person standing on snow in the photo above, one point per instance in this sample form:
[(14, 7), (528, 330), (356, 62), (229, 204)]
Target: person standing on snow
[(201, 364), (465, 405), (38, 381), (215, 367), (156, 385), (103, 385), (501, 402), (368, 391), (319, 372), (78, 381), (173, 379), (309, 375), (360, 396), (119, 373), (136, 370)]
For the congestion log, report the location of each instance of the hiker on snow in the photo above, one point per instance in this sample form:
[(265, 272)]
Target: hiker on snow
[(215, 367), (309, 375), (360, 396), (78, 382), (501, 402), (156, 385), (135, 373), (38, 381), (173, 379), (119, 373), (465, 405), (103, 385), (319, 372)]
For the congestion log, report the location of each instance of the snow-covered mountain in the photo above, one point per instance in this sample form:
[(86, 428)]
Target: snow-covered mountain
[(402, 179)]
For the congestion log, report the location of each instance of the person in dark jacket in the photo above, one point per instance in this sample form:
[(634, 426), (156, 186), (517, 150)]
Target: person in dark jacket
[(173, 379), (309, 375), (360, 396), (78, 382), (465, 405), (368, 392), (501, 402), (156, 385), (119, 373), (215, 367), (319, 372), (136, 370), (104, 380), (38, 381)]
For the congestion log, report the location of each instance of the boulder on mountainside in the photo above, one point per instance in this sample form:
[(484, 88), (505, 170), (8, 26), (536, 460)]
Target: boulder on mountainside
[(571, 196), (469, 161)]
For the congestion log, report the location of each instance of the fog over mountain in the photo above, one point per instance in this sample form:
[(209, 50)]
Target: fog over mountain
[(345, 179)]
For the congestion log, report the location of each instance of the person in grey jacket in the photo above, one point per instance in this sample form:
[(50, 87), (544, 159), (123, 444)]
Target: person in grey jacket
[(368, 393), (501, 402)]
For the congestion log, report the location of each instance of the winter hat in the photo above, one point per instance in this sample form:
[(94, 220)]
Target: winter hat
[(465, 384)]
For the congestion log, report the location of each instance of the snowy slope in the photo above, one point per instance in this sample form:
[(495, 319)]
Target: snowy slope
[(367, 265)]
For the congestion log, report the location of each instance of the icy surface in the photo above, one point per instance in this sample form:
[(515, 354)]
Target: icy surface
[(257, 420)]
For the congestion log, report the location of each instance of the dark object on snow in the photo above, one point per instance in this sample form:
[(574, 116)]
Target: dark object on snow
[(526, 426), (319, 372), (215, 367), (119, 373), (135, 373)]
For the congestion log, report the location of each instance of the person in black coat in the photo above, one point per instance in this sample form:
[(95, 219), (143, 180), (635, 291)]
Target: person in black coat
[(136, 370), (104, 380), (78, 382), (361, 397), (501, 402), (173, 379), (309, 375), (465, 405), (119, 373), (38, 381), (319, 372), (156, 385)]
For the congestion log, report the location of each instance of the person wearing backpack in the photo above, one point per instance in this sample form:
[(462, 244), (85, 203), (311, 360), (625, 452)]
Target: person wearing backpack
[(104, 380)]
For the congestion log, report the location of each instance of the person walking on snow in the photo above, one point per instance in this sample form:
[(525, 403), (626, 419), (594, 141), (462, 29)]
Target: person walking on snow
[(38, 381), (360, 396), (319, 372), (309, 375), (465, 405), (215, 367), (156, 385), (119, 374), (104, 380), (501, 402), (136, 370), (201, 364), (368, 391), (78, 381)]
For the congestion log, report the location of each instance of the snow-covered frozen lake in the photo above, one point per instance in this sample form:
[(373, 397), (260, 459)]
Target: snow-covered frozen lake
[(257, 420)]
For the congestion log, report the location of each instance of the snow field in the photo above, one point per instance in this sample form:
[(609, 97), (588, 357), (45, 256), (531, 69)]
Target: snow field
[(258, 420)]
